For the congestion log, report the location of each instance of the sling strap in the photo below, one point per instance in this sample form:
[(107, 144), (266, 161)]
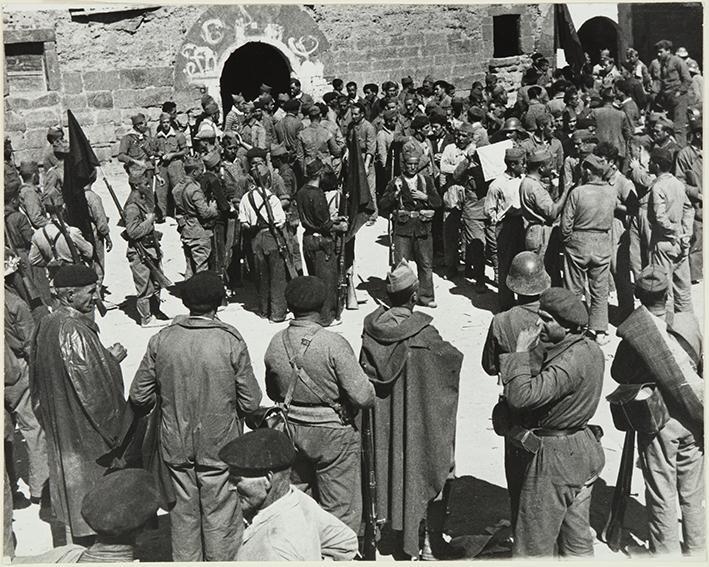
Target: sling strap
[(257, 209)]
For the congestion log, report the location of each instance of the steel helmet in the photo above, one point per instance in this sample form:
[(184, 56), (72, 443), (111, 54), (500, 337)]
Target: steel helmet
[(527, 275), (513, 123)]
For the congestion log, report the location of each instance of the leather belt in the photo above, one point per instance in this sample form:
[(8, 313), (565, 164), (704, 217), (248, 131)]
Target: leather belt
[(308, 404), (599, 230), (542, 432)]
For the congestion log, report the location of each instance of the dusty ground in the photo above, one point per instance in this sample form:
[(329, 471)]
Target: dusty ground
[(462, 318)]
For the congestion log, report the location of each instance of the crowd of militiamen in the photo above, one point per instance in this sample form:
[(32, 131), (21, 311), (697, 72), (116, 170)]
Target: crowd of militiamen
[(587, 187)]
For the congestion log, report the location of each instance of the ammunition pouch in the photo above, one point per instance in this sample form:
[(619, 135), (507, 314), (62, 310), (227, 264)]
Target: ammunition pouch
[(402, 216), (638, 407), (501, 418), (274, 417)]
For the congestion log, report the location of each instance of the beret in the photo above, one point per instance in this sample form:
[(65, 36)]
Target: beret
[(565, 306), (329, 97), (256, 153), (120, 502), (595, 163), (191, 163), (370, 87), (291, 105), (419, 121), (313, 167), (137, 118), (539, 156), (278, 150), (466, 128), (653, 279), (257, 452), (203, 291), (514, 154), (28, 168), (75, 275), (206, 131), (390, 114), (211, 159), (305, 294), (476, 112), (314, 111), (386, 85), (401, 278), (438, 118)]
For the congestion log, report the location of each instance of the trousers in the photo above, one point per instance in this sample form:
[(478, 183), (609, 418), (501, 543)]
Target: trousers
[(270, 276), (639, 242), (696, 250), (510, 242), (673, 467), (145, 287), (677, 112), (206, 523), (587, 258), (546, 241), (321, 261), (620, 269), (675, 263), (171, 175), (420, 250), (197, 252), (328, 466), (18, 402)]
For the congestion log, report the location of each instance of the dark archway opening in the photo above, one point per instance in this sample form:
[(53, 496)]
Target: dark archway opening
[(251, 65), (599, 33)]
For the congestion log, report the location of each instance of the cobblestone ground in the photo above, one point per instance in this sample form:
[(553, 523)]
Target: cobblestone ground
[(462, 318)]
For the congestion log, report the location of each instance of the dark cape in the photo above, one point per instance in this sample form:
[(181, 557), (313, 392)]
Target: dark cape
[(416, 375), (77, 394)]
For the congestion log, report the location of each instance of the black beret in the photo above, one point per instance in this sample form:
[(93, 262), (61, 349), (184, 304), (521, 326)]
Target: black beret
[(120, 502), (256, 153), (565, 306), (202, 292), (75, 275), (313, 167), (305, 294), (291, 105), (257, 452), (419, 121)]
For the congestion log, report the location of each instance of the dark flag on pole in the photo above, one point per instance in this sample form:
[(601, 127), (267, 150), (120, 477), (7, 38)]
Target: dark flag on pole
[(357, 202), (79, 171), (566, 37)]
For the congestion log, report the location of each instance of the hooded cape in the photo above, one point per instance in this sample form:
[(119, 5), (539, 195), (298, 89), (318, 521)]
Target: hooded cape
[(416, 375)]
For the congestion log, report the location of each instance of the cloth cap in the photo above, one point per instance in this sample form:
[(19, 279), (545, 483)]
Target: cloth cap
[(212, 158), (466, 128), (305, 294), (653, 279), (314, 111), (257, 452), (665, 122), (75, 275), (211, 108), (401, 278), (476, 112), (121, 502), (682, 52), (202, 292), (419, 122), (514, 154), (278, 150), (256, 153), (595, 163), (565, 306), (137, 118), (539, 156), (291, 105), (206, 132), (313, 167), (329, 97), (28, 168), (264, 88), (390, 114)]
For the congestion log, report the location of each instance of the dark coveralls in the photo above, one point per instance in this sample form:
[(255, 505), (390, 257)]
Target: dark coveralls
[(328, 446), (171, 171), (555, 498), (140, 229), (213, 188), (319, 245), (200, 371), (413, 238)]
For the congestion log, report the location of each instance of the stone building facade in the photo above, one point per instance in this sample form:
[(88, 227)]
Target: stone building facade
[(105, 64)]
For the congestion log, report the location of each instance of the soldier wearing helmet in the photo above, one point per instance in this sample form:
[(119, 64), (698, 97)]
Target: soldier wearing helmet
[(511, 130)]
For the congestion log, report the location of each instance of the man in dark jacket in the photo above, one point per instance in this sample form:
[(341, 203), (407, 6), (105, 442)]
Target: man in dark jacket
[(412, 199), (416, 375), (315, 374), (199, 369), (555, 499), (612, 125), (77, 394)]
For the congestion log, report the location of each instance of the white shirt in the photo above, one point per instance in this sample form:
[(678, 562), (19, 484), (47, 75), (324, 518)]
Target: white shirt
[(452, 156), (250, 217), (502, 197)]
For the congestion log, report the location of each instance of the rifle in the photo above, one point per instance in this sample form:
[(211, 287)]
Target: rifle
[(613, 531), (28, 288), (340, 247), (145, 258), (369, 492), (276, 232)]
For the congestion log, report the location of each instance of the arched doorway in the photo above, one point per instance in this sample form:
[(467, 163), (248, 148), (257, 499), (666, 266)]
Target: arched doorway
[(599, 33), (251, 65)]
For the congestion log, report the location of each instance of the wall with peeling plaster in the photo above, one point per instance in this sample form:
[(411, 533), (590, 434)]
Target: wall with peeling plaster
[(113, 65)]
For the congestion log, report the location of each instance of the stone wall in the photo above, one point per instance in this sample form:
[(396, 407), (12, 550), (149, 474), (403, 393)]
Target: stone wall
[(110, 66)]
